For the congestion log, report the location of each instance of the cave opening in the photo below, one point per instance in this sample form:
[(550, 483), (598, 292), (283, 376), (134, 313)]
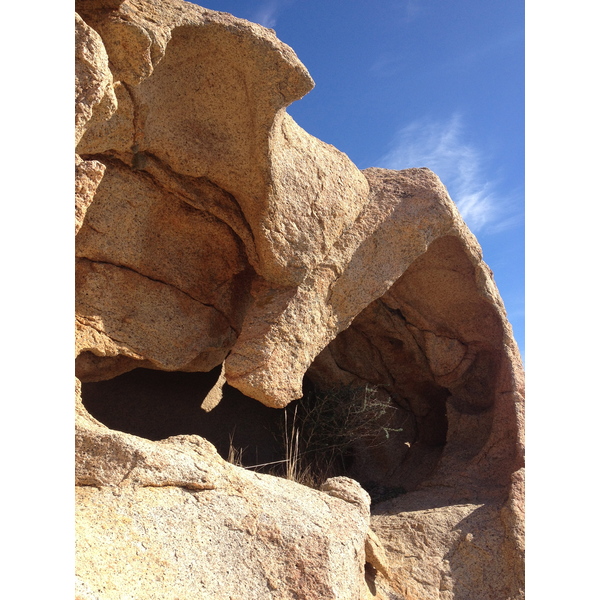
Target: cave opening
[(156, 404), (428, 347), (360, 431)]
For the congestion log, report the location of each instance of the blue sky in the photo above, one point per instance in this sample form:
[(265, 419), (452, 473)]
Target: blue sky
[(421, 83)]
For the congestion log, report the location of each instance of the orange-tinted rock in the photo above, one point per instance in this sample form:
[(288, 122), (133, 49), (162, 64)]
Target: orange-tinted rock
[(212, 231), (156, 519)]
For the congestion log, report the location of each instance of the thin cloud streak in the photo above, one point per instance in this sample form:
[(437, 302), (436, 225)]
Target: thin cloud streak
[(441, 147), (268, 13), (513, 40), (387, 65), (412, 10)]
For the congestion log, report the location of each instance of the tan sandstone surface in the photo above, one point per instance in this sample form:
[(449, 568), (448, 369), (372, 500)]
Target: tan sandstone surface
[(219, 243), (172, 519)]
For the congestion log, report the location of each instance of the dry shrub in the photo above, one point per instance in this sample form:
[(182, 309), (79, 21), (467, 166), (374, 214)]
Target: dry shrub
[(325, 426), (320, 430)]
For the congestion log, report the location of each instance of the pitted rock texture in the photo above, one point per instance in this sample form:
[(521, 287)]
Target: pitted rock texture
[(94, 91), (185, 523), (442, 548), (214, 233)]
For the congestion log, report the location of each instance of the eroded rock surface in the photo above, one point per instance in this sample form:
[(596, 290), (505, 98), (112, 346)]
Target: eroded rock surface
[(213, 233), (185, 523)]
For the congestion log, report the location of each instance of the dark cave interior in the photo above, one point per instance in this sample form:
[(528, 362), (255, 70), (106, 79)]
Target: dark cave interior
[(157, 404)]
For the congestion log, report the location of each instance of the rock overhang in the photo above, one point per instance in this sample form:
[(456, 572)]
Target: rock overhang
[(212, 230)]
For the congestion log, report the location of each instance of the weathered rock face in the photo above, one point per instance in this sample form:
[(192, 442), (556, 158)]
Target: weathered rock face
[(157, 520), (215, 235)]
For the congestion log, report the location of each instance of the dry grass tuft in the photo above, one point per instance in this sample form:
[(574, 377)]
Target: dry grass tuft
[(235, 455)]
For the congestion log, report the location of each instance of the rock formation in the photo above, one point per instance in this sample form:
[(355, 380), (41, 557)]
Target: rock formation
[(226, 255)]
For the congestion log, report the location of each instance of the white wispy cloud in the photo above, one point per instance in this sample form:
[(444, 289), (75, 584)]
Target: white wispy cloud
[(495, 45), (442, 146), (268, 12), (413, 9), (387, 64)]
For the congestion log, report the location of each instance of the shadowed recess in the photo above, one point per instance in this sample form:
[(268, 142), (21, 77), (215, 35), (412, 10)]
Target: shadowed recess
[(358, 431), (159, 404)]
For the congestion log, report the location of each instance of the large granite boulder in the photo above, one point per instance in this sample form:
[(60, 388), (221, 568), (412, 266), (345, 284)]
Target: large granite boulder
[(173, 519), (217, 240)]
